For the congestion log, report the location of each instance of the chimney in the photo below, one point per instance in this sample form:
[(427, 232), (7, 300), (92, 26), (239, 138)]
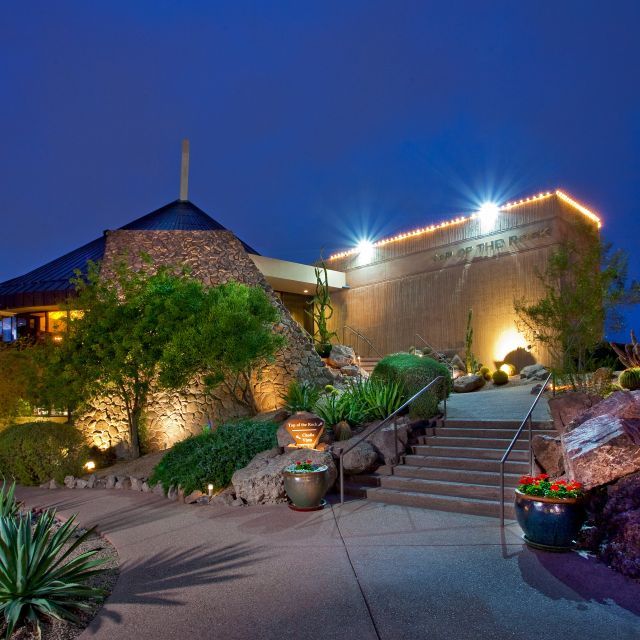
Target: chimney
[(184, 171)]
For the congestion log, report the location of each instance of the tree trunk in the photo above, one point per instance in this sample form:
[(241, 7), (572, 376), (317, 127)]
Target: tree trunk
[(134, 432)]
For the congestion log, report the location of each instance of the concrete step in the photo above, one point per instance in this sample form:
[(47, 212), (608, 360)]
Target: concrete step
[(461, 423), (478, 453), (456, 475), (466, 464), (465, 441), (440, 502), (473, 432), (446, 488)]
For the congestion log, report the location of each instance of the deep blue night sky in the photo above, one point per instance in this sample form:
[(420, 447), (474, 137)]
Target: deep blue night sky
[(311, 123)]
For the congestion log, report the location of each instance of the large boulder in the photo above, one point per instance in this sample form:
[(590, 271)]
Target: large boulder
[(548, 453), (599, 451), (624, 404), (284, 437), (361, 459), (383, 440), (465, 384), (534, 372), (341, 356), (568, 407), (260, 482)]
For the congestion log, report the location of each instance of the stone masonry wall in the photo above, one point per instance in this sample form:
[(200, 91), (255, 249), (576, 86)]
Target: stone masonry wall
[(214, 257)]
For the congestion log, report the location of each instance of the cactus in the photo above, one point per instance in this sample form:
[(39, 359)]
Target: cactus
[(630, 379), (342, 430), (500, 377), (321, 311), (630, 357), (485, 373)]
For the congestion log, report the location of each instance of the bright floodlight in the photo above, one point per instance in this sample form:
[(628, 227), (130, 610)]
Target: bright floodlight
[(365, 251), (488, 213)]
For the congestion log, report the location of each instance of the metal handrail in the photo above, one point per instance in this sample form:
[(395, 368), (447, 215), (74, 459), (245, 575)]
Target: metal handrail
[(528, 417), (360, 335), (395, 430), (440, 354)]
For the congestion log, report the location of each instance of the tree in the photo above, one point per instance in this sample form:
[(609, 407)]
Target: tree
[(584, 287), (159, 328)]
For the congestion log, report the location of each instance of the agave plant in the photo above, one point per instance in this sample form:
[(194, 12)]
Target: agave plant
[(630, 356), (379, 398), (8, 504), (38, 578), (301, 396)]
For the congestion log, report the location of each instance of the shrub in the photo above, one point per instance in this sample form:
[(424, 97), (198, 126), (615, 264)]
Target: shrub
[(213, 456), (37, 578), (413, 373), (485, 373), (630, 379), (35, 452), (377, 397), (342, 407), (500, 377), (301, 396)]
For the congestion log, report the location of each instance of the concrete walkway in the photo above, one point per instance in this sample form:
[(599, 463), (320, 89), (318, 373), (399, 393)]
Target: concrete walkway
[(361, 571), (497, 403)]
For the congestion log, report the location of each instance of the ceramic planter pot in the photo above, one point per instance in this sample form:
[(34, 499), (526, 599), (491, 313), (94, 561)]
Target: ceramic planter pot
[(551, 524), (306, 490)]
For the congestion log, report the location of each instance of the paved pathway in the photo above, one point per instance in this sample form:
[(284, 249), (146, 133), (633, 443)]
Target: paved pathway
[(502, 403), (361, 571)]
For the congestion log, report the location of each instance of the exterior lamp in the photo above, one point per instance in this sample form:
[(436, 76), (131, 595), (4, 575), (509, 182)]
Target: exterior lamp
[(90, 465), (210, 489), (488, 214), (509, 369), (365, 249)]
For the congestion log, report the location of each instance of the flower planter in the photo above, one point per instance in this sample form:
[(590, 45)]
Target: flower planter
[(306, 489), (551, 524)]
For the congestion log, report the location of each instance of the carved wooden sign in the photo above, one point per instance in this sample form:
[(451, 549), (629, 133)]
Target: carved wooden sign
[(305, 428)]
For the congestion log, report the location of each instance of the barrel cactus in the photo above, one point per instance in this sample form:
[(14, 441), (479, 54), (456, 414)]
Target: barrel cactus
[(485, 372), (500, 377), (630, 379)]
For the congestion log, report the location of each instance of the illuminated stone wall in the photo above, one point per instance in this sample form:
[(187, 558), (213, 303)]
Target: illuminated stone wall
[(426, 284), (214, 257)]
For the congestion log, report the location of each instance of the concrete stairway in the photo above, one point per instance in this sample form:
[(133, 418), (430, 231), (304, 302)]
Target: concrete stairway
[(369, 363), (454, 469)]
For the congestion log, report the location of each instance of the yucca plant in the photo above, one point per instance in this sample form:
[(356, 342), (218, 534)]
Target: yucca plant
[(301, 396), (38, 578), (378, 398), (8, 503)]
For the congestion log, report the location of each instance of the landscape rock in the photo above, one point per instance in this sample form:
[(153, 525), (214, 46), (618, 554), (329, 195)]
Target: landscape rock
[(599, 451), (383, 441), (225, 497), (350, 370), (457, 363), (465, 384), (145, 487), (91, 481), (548, 453), (534, 372), (111, 482), (238, 502), (53, 484), (623, 404), (567, 407), (284, 438), (260, 482), (341, 356), (135, 483), (69, 482), (81, 484), (277, 416), (172, 494), (361, 459), (122, 483), (193, 497), (158, 489)]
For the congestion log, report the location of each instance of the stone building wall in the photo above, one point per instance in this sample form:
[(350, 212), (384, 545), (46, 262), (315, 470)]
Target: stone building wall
[(214, 257)]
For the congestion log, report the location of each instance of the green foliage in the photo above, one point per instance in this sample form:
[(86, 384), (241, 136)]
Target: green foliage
[(500, 377), (213, 456), (584, 285), (161, 328), (8, 504), (485, 372), (378, 398), (18, 372), (35, 452), (414, 373), (630, 379), (470, 360), (301, 396), (321, 311), (37, 577)]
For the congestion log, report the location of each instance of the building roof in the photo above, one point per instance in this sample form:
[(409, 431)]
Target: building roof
[(49, 284)]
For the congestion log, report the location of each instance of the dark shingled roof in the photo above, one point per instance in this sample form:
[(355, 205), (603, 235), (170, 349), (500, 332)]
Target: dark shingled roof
[(49, 284)]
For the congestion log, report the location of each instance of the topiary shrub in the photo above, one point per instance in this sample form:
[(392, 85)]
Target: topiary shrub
[(35, 452), (485, 373), (500, 377), (413, 373), (213, 456), (630, 379)]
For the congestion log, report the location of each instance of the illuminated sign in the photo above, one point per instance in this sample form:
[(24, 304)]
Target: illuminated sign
[(305, 428)]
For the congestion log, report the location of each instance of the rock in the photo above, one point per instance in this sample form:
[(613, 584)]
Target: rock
[(53, 484), (135, 483), (362, 458), (172, 494), (193, 497), (145, 488), (81, 484), (566, 407), (122, 483), (341, 356), (624, 404), (260, 482), (91, 481), (535, 390), (534, 372), (158, 489), (111, 482), (284, 438), (383, 441), (548, 453), (599, 451), (277, 416), (457, 363), (350, 370), (237, 503), (69, 482), (225, 497), (465, 384)]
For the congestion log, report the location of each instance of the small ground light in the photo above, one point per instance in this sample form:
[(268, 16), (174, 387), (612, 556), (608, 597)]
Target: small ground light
[(90, 465), (509, 369), (210, 489)]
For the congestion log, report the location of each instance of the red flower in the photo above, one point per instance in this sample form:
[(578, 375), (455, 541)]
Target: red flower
[(555, 487), (561, 482), (543, 476), (577, 485), (308, 461)]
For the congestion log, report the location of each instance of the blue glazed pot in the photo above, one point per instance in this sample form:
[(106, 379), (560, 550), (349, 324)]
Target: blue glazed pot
[(549, 523)]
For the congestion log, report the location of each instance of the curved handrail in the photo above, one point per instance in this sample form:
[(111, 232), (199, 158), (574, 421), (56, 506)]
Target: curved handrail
[(359, 336), (382, 424), (447, 361), (513, 442)]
